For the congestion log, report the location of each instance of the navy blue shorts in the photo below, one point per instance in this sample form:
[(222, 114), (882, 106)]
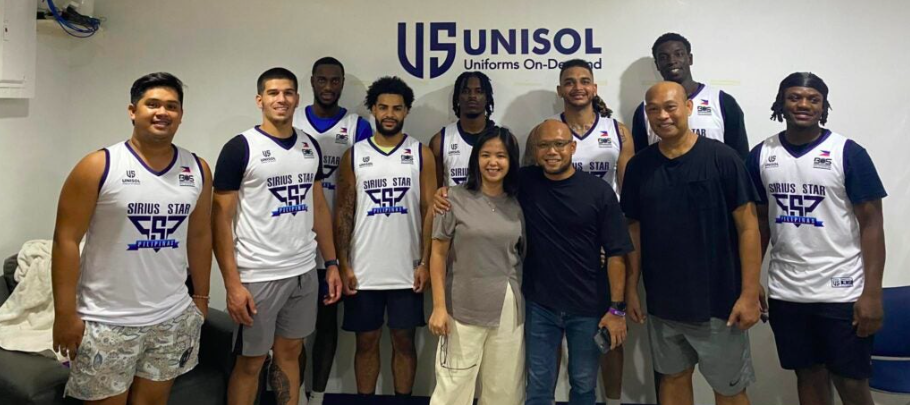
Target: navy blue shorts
[(366, 310), (810, 334)]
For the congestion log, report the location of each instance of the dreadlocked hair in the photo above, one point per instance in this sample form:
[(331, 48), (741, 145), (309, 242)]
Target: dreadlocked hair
[(601, 108), (485, 84), (800, 79)]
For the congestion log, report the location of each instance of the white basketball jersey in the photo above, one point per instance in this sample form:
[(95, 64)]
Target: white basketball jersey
[(134, 264), (333, 143), (707, 119), (456, 154), (597, 151), (815, 239), (273, 229), (385, 246)]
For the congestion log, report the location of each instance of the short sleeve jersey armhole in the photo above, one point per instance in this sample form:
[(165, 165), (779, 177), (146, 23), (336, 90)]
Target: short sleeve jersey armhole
[(231, 164), (860, 176)]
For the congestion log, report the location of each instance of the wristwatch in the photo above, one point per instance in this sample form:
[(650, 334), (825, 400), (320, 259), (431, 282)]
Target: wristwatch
[(618, 308), (333, 262)]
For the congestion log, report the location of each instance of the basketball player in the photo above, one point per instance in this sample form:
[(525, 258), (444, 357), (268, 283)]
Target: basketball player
[(269, 213), (123, 314), (335, 129), (603, 147), (472, 101), (384, 188), (821, 211), (716, 115)]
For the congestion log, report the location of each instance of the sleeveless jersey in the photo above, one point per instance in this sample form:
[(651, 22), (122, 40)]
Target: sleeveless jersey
[(597, 151), (134, 264), (385, 246), (707, 119), (333, 143), (815, 251), (273, 229), (456, 155)]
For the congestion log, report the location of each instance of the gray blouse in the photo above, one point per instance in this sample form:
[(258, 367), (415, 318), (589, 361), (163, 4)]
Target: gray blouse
[(485, 255)]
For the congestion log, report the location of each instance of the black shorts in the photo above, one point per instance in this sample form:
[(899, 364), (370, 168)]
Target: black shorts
[(810, 334), (366, 310)]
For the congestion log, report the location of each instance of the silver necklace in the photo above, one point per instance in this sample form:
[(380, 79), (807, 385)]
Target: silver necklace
[(487, 199)]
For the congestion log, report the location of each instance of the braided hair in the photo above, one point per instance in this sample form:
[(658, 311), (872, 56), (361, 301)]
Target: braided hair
[(800, 79)]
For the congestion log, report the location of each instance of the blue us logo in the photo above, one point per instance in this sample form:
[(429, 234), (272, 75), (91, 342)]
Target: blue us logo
[(387, 199), (445, 40), (157, 230), (437, 68), (293, 197), (796, 209)]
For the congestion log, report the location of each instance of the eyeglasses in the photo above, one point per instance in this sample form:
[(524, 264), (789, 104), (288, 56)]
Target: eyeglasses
[(558, 145), (444, 356)]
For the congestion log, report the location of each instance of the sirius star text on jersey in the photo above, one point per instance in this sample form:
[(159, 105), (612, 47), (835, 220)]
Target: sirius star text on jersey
[(477, 43)]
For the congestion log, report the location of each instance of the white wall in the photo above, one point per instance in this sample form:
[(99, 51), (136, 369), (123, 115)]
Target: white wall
[(36, 142), (219, 48)]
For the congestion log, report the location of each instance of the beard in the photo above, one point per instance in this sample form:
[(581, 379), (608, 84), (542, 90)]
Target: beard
[(388, 132), (325, 106), (558, 170), (472, 115), (579, 104)]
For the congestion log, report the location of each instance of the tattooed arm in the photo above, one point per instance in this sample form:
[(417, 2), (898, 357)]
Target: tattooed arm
[(345, 207)]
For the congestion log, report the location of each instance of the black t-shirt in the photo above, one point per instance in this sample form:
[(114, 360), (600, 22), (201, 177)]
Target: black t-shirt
[(689, 243), (236, 153), (567, 223)]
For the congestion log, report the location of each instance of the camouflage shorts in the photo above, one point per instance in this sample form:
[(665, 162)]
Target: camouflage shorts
[(110, 356)]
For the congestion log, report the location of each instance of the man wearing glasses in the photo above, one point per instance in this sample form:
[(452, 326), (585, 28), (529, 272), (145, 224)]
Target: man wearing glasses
[(570, 216)]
